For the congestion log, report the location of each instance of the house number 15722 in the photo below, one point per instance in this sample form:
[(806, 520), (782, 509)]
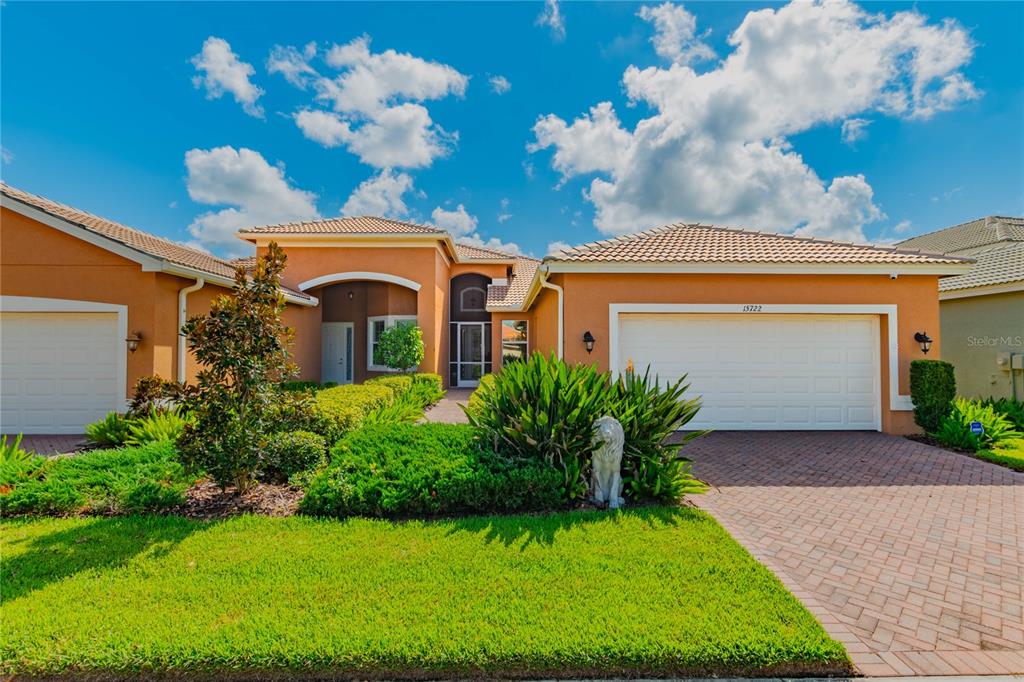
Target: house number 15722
[(751, 308)]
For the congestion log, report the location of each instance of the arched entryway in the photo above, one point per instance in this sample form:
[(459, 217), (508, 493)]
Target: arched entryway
[(469, 330), (356, 308)]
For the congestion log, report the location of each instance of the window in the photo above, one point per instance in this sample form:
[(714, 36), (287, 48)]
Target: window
[(472, 299), (514, 340), (375, 326)]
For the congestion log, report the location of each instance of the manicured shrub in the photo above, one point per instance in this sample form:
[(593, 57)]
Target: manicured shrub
[(113, 430), (649, 413), (431, 384), (341, 409), (242, 346), (403, 470), (156, 427), (124, 480), (413, 394), (932, 390), (400, 347), (289, 453), (398, 383), (304, 386)]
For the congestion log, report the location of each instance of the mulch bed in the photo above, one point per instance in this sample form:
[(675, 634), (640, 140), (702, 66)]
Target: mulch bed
[(206, 500)]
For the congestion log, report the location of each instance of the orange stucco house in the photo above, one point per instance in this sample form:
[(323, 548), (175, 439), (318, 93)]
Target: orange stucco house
[(774, 332)]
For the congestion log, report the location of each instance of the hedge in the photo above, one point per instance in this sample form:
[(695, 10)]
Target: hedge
[(399, 470), (932, 390)]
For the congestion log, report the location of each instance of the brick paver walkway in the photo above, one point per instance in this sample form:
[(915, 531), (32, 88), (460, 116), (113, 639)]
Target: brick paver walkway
[(50, 445), (447, 409), (910, 555)]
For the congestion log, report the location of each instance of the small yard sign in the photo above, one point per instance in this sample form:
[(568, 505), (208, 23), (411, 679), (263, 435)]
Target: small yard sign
[(977, 429)]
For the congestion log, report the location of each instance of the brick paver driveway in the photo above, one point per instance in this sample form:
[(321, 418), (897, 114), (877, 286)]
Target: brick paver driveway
[(910, 555)]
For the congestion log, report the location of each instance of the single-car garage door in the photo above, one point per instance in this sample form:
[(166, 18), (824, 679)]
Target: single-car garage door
[(764, 371), (58, 371)]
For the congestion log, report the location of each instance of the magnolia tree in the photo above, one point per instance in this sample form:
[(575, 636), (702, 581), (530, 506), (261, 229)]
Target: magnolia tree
[(242, 346), (401, 347)]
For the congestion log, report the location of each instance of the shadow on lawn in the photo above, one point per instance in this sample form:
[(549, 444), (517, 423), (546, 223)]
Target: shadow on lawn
[(99, 543), (524, 529)]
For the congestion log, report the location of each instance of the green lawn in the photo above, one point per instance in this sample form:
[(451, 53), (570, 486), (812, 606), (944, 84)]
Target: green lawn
[(1009, 454), (654, 591)]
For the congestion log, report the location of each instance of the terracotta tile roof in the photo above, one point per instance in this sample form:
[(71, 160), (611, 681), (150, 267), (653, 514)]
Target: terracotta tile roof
[(695, 243), (143, 242), (247, 262), (471, 252), (969, 235), (146, 243), (513, 295), (1002, 264), (354, 225)]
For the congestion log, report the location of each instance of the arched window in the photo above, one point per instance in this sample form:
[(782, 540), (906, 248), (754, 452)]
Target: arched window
[(472, 300)]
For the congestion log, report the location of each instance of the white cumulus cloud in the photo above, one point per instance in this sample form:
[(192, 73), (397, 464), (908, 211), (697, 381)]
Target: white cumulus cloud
[(458, 222), (555, 247), (375, 105), (714, 146), (220, 70), (255, 192), (551, 16), (462, 226), (381, 195), (675, 33), (499, 84), (854, 129), (293, 64)]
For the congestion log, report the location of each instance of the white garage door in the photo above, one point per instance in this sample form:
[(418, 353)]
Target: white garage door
[(58, 371), (764, 371)]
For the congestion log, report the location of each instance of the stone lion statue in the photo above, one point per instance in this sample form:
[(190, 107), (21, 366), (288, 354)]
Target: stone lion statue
[(606, 477)]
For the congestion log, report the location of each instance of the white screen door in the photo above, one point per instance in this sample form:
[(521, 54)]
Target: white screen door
[(337, 352)]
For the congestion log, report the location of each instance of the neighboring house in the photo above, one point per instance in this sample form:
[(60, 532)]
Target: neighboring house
[(982, 310), (73, 289), (775, 332)]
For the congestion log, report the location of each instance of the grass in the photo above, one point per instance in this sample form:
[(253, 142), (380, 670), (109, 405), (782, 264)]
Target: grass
[(658, 591), (1009, 454)]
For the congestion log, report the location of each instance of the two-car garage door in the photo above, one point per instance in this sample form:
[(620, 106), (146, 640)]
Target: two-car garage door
[(58, 371), (764, 371)]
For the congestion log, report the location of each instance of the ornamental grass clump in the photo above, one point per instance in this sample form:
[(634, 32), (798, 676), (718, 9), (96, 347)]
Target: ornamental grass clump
[(544, 409), (242, 346)]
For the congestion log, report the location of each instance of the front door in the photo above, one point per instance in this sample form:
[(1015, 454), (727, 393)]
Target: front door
[(336, 351), (471, 353)]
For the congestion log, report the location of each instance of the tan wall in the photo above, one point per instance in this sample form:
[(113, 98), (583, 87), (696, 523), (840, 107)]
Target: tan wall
[(974, 331), (42, 262), (587, 297)]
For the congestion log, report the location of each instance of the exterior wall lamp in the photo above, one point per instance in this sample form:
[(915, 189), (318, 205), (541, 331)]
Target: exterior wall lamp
[(925, 341), (588, 341), (133, 341)]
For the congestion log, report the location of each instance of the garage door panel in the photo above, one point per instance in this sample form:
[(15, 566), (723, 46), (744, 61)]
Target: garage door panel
[(58, 371), (769, 372)]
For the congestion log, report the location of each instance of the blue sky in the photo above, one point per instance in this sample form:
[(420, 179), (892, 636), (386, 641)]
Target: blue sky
[(874, 121)]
